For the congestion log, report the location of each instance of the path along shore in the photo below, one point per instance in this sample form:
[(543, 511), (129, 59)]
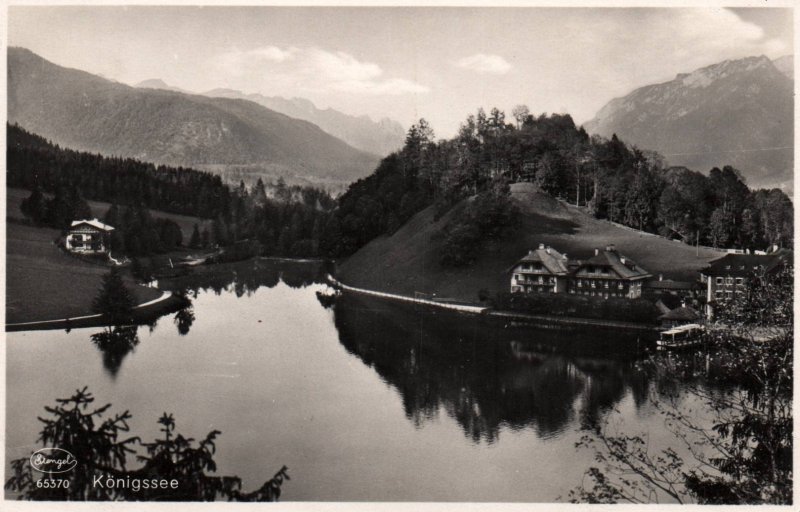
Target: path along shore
[(512, 317)]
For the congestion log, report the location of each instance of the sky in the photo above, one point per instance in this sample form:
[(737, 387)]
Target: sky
[(403, 62)]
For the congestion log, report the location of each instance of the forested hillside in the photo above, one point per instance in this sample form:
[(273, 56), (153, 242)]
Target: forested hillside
[(611, 179), (283, 220)]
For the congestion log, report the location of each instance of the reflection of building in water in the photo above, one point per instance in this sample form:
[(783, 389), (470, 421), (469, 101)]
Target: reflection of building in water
[(485, 378)]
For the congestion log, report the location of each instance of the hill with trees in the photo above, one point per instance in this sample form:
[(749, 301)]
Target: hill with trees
[(89, 113), (424, 220)]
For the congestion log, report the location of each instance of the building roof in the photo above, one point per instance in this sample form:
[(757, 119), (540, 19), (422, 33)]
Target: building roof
[(746, 264), (683, 314), (92, 222), (623, 266), (552, 260)]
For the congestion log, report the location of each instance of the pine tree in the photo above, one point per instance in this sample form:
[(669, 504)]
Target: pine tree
[(114, 301), (194, 241)]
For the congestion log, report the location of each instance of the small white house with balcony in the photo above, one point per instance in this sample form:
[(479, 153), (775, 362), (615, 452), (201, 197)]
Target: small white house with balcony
[(88, 236), (543, 270)]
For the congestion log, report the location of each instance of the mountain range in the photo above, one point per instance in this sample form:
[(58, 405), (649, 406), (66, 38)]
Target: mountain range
[(736, 112), (234, 137), (361, 132), (380, 138)]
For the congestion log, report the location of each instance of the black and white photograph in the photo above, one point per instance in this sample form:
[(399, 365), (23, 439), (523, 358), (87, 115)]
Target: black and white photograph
[(406, 255)]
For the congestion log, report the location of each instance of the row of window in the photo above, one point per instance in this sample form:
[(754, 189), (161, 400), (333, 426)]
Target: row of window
[(591, 283), (729, 280), (530, 280), (529, 289), (728, 294), (599, 294)]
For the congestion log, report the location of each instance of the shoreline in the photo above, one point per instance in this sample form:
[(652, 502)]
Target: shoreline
[(142, 314), (511, 316)]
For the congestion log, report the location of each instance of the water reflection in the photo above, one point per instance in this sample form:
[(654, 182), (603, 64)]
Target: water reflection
[(488, 377), (115, 343), (244, 278), (184, 320)]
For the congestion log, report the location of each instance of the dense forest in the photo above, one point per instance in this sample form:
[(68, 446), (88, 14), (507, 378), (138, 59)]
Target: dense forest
[(610, 179), (276, 218)]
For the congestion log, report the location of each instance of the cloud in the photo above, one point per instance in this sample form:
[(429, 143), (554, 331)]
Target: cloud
[(483, 63), (277, 70)]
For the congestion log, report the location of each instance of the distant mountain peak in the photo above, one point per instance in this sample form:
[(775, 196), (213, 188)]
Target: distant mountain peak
[(157, 83), (785, 65), (735, 112), (361, 132)]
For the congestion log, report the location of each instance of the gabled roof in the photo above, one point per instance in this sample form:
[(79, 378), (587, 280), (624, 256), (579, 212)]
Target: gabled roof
[(745, 264), (552, 260), (92, 222), (619, 263)]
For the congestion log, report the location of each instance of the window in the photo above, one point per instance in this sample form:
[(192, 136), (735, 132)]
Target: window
[(720, 280), (620, 286), (718, 294), (739, 280), (729, 280), (606, 285)]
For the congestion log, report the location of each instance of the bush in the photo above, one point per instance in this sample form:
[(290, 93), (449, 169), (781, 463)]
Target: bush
[(558, 304)]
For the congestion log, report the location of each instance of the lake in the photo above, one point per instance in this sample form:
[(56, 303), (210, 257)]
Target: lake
[(364, 400)]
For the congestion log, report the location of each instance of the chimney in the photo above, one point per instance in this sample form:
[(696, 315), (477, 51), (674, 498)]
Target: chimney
[(610, 247), (547, 250), (596, 251), (541, 246), (622, 259), (530, 252), (564, 256), (660, 277)]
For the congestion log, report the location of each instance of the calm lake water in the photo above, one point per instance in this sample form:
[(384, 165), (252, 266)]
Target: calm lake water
[(367, 400)]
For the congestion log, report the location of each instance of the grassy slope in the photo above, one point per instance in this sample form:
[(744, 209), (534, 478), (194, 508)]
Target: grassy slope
[(408, 261), (44, 283)]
